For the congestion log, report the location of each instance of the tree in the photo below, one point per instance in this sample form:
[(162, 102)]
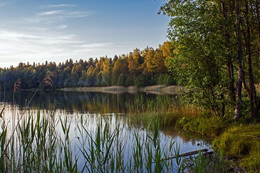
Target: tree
[(148, 55), (120, 66), (193, 31), (239, 61), (90, 76), (122, 80), (209, 37)]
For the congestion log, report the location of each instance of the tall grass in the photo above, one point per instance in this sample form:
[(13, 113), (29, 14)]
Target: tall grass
[(44, 144), (33, 147), (162, 104)]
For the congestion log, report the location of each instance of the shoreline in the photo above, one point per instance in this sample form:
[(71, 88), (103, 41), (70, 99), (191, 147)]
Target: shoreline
[(155, 89)]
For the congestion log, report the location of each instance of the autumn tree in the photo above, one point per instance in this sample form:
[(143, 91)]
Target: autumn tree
[(120, 67)]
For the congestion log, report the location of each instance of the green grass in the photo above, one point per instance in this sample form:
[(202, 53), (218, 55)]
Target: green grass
[(239, 141), (243, 143), (143, 120), (209, 126), (161, 104)]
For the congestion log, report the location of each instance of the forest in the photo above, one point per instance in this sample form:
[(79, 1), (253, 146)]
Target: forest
[(138, 68)]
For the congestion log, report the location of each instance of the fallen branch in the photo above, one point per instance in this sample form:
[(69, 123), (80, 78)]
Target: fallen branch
[(188, 154)]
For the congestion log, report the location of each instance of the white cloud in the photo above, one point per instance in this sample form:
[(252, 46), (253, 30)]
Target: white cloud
[(95, 45), (58, 6), (16, 46), (53, 12), (65, 14), (55, 16)]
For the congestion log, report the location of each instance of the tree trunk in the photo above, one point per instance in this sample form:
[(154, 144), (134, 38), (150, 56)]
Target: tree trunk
[(232, 81), (252, 91), (223, 105), (229, 64), (239, 62), (258, 51), (258, 22)]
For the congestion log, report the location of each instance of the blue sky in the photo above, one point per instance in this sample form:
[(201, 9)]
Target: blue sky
[(56, 30)]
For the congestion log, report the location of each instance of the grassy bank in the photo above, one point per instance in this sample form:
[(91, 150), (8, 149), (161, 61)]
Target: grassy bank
[(242, 143), (239, 141)]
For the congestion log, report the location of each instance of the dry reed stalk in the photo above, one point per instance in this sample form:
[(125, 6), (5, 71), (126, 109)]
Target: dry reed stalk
[(16, 89), (2, 111), (47, 80)]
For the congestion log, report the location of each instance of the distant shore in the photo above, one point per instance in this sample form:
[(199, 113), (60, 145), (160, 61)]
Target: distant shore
[(155, 89)]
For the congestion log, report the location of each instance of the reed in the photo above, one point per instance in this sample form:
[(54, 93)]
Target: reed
[(162, 104), (42, 147)]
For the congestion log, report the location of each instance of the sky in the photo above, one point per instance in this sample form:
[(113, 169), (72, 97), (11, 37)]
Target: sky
[(57, 30)]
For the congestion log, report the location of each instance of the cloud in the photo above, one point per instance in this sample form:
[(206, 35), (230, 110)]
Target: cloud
[(53, 12), (39, 47), (65, 14), (58, 6), (96, 45), (54, 16)]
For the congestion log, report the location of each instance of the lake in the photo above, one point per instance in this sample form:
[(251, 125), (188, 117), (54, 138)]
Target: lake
[(86, 113)]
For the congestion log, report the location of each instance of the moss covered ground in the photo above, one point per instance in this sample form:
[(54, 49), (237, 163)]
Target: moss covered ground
[(239, 141)]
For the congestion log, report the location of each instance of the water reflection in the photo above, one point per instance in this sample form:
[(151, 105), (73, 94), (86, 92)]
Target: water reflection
[(82, 102), (78, 103), (94, 108)]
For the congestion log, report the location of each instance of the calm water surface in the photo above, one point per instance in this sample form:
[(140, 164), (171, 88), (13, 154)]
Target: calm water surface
[(94, 109)]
